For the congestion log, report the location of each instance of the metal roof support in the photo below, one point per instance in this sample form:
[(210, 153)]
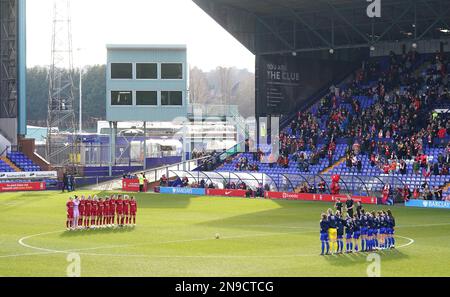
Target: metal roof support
[(395, 21), (313, 30), (434, 12), (343, 18), (438, 19), (276, 34)]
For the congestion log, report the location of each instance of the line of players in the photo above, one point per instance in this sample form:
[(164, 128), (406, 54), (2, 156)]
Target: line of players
[(97, 212), (364, 232)]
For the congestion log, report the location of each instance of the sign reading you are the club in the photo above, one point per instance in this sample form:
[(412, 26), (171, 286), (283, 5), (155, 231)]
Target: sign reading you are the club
[(280, 72)]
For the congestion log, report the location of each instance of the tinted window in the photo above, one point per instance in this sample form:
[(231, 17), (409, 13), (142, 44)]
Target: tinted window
[(172, 71), (171, 98), (146, 71), (146, 98), (121, 71), (121, 98)]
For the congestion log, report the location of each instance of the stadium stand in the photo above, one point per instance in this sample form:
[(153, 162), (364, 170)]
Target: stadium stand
[(23, 162), (5, 167), (383, 123)]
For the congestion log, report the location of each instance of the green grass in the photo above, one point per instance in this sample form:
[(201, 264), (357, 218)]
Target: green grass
[(175, 236)]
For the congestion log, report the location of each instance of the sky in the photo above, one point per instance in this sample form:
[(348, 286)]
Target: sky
[(96, 23)]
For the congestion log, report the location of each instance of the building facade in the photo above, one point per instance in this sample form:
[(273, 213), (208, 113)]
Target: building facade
[(146, 82)]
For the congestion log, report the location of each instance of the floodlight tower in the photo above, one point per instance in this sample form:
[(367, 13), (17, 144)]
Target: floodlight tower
[(61, 113)]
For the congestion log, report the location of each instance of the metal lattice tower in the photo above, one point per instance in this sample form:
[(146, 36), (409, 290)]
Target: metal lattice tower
[(8, 59), (61, 112)]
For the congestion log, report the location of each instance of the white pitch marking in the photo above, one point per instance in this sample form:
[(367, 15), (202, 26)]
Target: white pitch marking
[(52, 251), (411, 241)]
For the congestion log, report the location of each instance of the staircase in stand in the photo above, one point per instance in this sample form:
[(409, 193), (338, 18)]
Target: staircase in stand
[(11, 164), (328, 169)]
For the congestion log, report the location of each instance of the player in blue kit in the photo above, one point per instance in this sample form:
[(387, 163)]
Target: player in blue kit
[(375, 229), (363, 220), (390, 229), (372, 231), (348, 234), (340, 232), (356, 232), (324, 234), (382, 223)]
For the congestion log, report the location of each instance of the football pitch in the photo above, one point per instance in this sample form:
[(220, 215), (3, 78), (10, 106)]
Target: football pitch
[(175, 236)]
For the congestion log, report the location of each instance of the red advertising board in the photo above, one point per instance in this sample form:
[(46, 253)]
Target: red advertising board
[(226, 193), (318, 197), (26, 186), (132, 185)]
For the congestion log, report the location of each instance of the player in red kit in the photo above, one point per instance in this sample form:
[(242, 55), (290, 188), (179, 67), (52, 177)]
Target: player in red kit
[(101, 208), (133, 210), (87, 212), (112, 210), (69, 208), (82, 209), (106, 213), (126, 210), (94, 210), (119, 210)]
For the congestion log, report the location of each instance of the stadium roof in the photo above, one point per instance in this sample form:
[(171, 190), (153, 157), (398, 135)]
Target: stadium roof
[(278, 26)]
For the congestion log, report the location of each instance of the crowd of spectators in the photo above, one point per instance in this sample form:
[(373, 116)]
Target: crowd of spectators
[(210, 161), (397, 127), (245, 165), (197, 154)]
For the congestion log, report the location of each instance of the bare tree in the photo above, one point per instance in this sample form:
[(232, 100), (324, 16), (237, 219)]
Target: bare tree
[(245, 94), (224, 76), (198, 86)]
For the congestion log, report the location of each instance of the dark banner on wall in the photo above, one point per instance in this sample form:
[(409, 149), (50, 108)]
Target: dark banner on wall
[(280, 83), (285, 83)]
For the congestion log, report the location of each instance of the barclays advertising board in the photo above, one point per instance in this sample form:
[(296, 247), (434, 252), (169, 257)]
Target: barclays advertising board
[(428, 204), (187, 191)]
